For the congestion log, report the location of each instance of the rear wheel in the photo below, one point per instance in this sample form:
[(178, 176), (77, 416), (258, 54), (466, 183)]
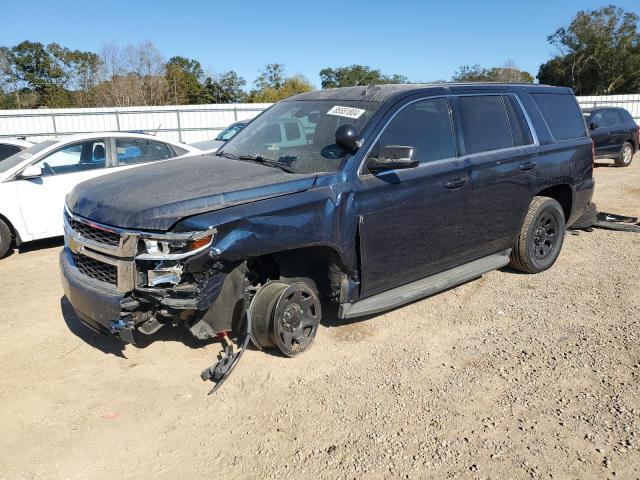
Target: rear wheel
[(5, 238), (541, 237), (626, 155)]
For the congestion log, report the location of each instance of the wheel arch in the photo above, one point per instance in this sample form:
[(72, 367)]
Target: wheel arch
[(321, 263), (563, 194), (14, 232)]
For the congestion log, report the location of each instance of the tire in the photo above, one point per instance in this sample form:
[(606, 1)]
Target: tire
[(5, 239), (588, 218), (540, 239), (626, 155)]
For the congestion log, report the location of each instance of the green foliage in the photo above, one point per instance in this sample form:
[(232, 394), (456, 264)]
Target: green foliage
[(183, 77), (599, 53), (226, 88), (272, 85), (47, 71), (355, 75), (508, 73)]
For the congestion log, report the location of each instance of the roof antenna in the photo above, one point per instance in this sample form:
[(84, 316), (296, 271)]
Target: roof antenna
[(372, 87)]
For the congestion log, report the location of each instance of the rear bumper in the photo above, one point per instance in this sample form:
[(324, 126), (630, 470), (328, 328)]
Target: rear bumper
[(582, 194), (96, 303)]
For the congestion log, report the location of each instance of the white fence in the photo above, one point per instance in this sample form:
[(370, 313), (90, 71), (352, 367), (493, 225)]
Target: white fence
[(629, 102), (185, 123)]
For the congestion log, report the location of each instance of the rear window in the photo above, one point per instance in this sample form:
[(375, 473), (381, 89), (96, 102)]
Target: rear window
[(562, 115), (492, 122)]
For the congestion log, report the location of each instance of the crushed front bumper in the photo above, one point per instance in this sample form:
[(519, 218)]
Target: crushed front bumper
[(97, 305)]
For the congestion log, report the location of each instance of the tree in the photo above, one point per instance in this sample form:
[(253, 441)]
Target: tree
[(507, 73), (183, 78), (271, 77), (272, 85), (355, 75), (132, 75), (599, 53), (52, 72), (224, 88)]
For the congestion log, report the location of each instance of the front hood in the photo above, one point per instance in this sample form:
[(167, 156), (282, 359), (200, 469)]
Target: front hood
[(156, 196)]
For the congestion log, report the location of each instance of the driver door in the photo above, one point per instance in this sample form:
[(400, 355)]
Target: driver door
[(42, 198), (414, 222)]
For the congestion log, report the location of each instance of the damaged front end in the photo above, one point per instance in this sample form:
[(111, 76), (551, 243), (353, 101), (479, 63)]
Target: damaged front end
[(123, 281)]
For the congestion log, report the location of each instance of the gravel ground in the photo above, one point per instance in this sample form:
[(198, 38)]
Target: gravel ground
[(509, 376)]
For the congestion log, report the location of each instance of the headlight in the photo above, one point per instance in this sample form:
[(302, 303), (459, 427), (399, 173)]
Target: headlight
[(174, 246)]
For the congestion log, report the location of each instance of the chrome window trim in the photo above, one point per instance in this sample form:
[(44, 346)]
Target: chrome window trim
[(534, 135)]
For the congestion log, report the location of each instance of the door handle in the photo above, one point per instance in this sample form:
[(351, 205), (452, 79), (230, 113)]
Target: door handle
[(528, 166), (457, 183)]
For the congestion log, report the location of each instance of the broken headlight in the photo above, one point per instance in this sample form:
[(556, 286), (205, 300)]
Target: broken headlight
[(174, 246)]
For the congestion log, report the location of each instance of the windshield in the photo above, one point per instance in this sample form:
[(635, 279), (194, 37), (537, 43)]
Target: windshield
[(229, 132), (300, 135), (10, 162)]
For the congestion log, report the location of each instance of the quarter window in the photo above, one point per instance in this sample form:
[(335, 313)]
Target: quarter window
[(562, 115), (425, 125), (134, 151)]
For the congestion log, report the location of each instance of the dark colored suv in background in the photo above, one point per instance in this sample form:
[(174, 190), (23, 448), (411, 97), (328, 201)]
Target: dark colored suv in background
[(614, 132), (399, 192)]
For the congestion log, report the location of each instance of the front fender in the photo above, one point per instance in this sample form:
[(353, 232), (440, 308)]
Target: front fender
[(316, 217)]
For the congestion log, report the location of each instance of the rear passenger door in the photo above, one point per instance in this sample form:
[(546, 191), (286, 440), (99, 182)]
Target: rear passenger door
[(497, 142), (617, 130)]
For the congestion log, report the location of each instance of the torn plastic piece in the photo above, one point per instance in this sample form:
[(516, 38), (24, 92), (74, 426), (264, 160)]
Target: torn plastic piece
[(611, 221), (221, 370), (123, 328)]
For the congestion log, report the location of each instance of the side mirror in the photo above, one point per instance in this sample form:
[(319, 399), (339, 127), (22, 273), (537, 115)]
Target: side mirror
[(593, 126), (393, 157), (347, 137), (32, 171)]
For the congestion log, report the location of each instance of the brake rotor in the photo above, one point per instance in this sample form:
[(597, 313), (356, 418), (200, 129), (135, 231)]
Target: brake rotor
[(261, 309), (296, 318)]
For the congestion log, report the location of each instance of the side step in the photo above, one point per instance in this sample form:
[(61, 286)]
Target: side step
[(424, 287)]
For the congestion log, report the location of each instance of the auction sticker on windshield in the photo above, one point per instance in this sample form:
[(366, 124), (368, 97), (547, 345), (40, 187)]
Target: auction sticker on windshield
[(348, 112)]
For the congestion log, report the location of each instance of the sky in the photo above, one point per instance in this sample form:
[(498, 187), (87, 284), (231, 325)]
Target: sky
[(424, 40)]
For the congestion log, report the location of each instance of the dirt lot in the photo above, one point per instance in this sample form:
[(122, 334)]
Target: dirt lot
[(510, 376)]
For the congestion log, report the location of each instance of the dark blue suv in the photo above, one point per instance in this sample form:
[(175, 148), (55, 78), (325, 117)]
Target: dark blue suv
[(398, 192), (614, 132)]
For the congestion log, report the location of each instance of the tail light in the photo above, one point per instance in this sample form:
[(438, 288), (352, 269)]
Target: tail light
[(638, 135)]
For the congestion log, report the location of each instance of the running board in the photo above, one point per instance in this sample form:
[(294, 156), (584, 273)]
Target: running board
[(424, 287)]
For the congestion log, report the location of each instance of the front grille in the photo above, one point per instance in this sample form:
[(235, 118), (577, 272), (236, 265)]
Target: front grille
[(95, 234), (95, 269)]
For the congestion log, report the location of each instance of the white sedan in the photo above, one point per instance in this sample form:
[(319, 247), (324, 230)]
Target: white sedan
[(10, 146), (35, 181)]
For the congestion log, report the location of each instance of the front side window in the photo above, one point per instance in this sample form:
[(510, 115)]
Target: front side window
[(132, 151), (425, 125), (596, 118), (299, 135), (79, 157)]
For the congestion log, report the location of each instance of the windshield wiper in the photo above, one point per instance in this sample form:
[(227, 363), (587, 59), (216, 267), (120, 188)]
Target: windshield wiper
[(222, 153), (265, 161)]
